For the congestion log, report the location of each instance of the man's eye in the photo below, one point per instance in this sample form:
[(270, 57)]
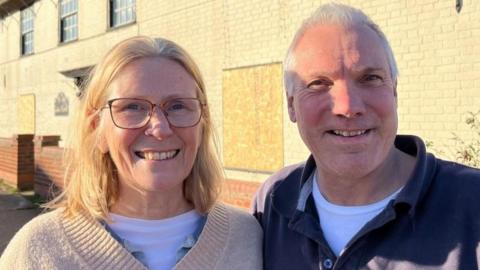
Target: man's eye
[(372, 77), (319, 84)]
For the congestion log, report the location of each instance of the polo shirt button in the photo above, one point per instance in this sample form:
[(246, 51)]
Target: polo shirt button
[(328, 264)]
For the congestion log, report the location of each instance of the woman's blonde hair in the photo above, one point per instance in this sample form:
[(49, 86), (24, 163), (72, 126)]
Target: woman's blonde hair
[(91, 184)]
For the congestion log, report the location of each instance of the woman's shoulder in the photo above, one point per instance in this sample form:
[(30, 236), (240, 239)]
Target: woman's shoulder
[(230, 239), (243, 249), (42, 225), (241, 217), (239, 221), (36, 236)]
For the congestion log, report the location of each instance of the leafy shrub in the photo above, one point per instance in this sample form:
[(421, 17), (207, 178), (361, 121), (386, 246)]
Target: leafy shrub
[(469, 151)]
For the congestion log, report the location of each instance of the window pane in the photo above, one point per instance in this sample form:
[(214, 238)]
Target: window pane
[(74, 34), (68, 22), (26, 28), (27, 43), (122, 12), (123, 17)]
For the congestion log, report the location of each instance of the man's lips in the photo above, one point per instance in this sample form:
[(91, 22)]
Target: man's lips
[(157, 155), (349, 133)]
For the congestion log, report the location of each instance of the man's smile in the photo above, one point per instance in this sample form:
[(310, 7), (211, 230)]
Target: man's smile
[(348, 133)]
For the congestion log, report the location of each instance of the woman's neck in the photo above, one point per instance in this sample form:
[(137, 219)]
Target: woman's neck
[(150, 205)]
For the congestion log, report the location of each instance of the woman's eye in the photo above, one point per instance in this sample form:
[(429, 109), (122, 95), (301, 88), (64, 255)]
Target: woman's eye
[(133, 107), (176, 106)]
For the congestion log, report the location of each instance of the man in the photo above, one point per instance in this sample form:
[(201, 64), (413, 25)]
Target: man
[(366, 198)]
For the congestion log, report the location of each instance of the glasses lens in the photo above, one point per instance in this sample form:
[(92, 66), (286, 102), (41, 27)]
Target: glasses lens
[(130, 113), (183, 112)]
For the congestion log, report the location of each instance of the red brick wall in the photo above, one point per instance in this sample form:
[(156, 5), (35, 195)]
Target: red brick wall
[(239, 192), (48, 165), (17, 161), (8, 162)]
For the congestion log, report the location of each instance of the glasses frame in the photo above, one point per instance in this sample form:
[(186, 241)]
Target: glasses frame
[(152, 108)]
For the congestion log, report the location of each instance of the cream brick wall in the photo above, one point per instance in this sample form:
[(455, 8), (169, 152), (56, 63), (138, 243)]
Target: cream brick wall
[(438, 58), (436, 50)]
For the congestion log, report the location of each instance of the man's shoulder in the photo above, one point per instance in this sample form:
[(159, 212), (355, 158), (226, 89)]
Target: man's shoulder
[(271, 182), (456, 173)]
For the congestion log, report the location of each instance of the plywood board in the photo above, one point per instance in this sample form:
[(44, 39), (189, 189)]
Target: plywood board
[(252, 127)]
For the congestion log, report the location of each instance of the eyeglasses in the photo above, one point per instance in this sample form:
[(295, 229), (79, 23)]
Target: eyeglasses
[(133, 113)]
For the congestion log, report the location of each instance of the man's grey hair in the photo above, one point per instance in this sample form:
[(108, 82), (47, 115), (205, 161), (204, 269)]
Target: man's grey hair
[(337, 14)]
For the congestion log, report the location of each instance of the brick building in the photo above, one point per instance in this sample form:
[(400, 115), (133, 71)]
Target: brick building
[(47, 46)]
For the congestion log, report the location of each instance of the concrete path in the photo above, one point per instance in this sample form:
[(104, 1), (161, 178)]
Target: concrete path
[(15, 211)]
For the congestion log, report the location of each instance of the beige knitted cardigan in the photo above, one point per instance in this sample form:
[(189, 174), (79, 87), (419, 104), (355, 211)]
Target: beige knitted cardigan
[(231, 239)]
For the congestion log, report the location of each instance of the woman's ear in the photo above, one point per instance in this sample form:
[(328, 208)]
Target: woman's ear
[(102, 143), (96, 126)]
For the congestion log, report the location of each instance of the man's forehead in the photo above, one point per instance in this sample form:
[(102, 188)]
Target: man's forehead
[(329, 47)]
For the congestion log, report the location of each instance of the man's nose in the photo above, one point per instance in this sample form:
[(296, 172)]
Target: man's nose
[(158, 126), (347, 100)]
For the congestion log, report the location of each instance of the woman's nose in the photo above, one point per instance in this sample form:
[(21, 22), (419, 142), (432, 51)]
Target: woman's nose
[(158, 125)]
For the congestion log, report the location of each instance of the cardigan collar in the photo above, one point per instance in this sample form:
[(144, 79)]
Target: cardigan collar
[(101, 251)]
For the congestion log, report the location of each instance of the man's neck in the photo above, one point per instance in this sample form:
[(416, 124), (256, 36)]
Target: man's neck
[(361, 190)]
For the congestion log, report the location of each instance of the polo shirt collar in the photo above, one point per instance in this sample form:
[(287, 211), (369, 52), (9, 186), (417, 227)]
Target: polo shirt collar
[(288, 195), (421, 177)]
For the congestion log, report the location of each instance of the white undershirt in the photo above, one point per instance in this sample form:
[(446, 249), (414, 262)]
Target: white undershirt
[(159, 240), (340, 223)]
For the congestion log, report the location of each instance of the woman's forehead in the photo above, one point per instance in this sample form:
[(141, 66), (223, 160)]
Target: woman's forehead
[(156, 77)]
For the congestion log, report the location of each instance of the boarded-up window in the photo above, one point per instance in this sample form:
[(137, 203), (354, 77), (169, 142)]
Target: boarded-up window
[(253, 121), (26, 114)]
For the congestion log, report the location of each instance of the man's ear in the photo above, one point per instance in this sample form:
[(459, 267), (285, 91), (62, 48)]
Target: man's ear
[(395, 89), (395, 93), (291, 109)]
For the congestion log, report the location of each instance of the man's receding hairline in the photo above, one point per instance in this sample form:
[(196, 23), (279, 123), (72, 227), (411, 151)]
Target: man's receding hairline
[(344, 16)]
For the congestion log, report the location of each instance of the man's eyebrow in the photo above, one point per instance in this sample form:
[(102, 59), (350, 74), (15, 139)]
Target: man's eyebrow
[(364, 69), (316, 74)]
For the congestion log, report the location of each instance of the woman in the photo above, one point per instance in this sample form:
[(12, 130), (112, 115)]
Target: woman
[(143, 176)]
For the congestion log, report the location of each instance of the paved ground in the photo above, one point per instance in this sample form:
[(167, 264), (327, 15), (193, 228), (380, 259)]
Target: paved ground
[(14, 212)]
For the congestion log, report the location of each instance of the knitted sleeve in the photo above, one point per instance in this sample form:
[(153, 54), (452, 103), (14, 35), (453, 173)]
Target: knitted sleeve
[(40, 244)]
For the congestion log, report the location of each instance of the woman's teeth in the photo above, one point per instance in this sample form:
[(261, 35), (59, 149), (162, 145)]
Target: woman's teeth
[(150, 155)]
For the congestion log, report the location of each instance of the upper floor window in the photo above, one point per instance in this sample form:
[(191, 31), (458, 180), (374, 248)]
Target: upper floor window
[(68, 20), (26, 25), (121, 12)]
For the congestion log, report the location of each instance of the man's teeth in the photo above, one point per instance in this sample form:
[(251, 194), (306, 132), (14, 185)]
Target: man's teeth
[(345, 133), (159, 155)]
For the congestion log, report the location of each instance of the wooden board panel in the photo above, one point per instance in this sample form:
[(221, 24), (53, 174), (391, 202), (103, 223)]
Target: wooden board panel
[(252, 111), (26, 114)]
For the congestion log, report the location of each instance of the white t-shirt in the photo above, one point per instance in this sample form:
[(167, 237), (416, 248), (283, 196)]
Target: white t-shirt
[(340, 223), (158, 240)]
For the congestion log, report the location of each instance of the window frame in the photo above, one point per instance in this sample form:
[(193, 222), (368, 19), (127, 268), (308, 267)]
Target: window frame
[(62, 17), (25, 32), (112, 24)]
